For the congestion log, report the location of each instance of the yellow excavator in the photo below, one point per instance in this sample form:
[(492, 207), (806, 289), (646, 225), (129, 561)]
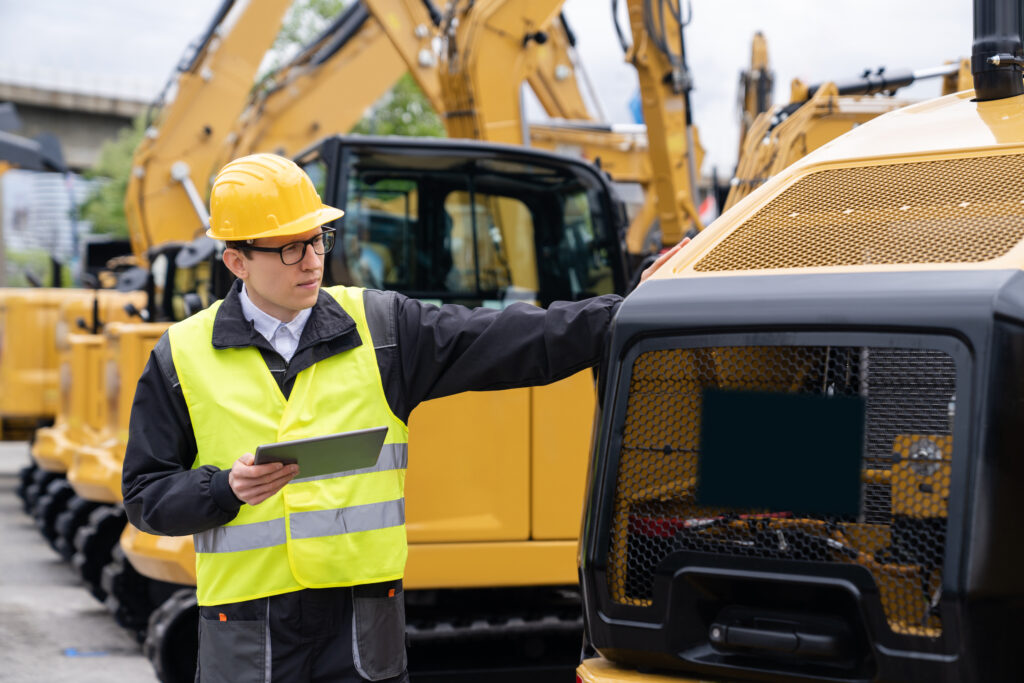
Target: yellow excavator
[(774, 136), (658, 53), (362, 54), (756, 85), (35, 373), (777, 136), (805, 466), (477, 36), (186, 143)]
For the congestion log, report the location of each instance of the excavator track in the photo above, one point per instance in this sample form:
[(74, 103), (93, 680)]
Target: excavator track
[(172, 639), (132, 597), (49, 506), (36, 488), (73, 518), (94, 543), (25, 476), (507, 630)]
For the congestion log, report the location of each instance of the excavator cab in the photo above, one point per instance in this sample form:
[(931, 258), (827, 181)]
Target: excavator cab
[(467, 222)]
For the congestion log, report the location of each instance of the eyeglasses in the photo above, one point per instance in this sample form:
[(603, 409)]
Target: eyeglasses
[(293, 252)]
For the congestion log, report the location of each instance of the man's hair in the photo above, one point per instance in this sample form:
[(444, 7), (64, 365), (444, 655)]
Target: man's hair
[(240, 245)]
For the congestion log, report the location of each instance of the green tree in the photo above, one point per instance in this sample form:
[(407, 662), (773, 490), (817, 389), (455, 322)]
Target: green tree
[(304, 20), (105, 206), (403, 111)]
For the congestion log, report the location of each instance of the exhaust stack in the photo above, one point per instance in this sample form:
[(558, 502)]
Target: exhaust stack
[(997, 57)]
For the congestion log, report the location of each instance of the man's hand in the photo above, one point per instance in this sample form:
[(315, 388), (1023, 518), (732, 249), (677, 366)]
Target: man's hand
[(253, 484), (661, 260)]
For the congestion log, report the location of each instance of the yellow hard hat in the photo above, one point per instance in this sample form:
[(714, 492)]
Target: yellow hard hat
[(265, 195)]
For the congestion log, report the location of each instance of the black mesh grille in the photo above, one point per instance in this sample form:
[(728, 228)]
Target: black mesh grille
[(899, 534)]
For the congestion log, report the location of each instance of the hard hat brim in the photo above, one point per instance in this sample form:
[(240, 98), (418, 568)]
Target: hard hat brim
[(325, 214)]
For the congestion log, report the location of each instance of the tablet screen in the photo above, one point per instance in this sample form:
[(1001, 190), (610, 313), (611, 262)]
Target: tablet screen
[(326, 455)]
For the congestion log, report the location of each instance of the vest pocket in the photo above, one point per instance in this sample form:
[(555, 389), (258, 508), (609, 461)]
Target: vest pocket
[(378, 616), (232, 651)]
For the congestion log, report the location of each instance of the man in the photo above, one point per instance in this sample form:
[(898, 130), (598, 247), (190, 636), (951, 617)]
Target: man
[(303, 582)]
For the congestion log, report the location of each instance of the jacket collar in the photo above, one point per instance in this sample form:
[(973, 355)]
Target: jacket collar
[(327, 321)]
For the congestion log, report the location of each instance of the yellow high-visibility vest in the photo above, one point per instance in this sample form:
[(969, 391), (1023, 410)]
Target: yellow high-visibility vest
[(319, 532)]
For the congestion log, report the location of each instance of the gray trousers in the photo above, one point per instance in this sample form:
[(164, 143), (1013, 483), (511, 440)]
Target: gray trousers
[(346, 635)]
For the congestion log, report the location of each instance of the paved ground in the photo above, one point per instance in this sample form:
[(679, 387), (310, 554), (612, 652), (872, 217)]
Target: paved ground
[(51, 629)]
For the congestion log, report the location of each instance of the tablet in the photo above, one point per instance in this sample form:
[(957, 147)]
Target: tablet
[(325, 455)]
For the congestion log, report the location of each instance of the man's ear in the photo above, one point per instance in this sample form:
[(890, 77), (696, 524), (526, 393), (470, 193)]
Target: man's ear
[(235, 262)]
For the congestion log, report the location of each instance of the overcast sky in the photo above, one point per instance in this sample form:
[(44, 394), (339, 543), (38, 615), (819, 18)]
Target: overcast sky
[(131, 46)]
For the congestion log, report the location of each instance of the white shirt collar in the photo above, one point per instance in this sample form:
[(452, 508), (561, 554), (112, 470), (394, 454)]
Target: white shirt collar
[(268, 326)]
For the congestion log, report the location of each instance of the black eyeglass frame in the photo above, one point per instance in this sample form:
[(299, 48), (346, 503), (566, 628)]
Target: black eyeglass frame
[(326, 235)]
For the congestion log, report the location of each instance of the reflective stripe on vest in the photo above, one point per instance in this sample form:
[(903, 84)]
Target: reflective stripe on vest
[(333, 530), (229, 539)]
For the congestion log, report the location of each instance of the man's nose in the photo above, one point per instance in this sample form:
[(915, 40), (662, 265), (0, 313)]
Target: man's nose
[(310, 259)]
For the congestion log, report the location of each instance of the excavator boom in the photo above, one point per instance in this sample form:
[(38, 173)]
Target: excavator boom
[(163, 202)]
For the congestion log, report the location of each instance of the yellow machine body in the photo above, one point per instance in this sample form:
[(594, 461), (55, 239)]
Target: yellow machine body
[(29, 383), (86, 413), (600, 670), (95, 470), (81, 413), (902, 154)]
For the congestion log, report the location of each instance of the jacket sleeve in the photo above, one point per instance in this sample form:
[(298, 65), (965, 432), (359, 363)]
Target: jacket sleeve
[(444, 350), (162, 493)]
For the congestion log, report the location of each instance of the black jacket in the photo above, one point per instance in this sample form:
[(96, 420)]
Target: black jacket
[(423, 352)]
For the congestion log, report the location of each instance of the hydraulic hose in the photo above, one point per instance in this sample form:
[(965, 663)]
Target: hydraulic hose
[(618, 29), (568, 31), (435, 14)]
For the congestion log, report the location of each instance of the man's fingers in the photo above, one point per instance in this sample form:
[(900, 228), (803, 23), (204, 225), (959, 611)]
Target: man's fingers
[(664, 257), (257, 494), (271, 481), (265, 470), (286, 474), (660, 261), (257, 479), (258, 500), (671, 252), (254, 483)]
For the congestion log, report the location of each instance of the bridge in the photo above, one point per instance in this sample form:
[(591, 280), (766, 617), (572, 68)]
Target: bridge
[(81, 114)]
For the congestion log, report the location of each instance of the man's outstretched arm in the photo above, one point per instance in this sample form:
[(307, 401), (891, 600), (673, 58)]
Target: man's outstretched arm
[(444, 350)]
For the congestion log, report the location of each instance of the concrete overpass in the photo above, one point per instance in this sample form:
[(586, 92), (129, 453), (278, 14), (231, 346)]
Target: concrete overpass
[(81, 120)]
